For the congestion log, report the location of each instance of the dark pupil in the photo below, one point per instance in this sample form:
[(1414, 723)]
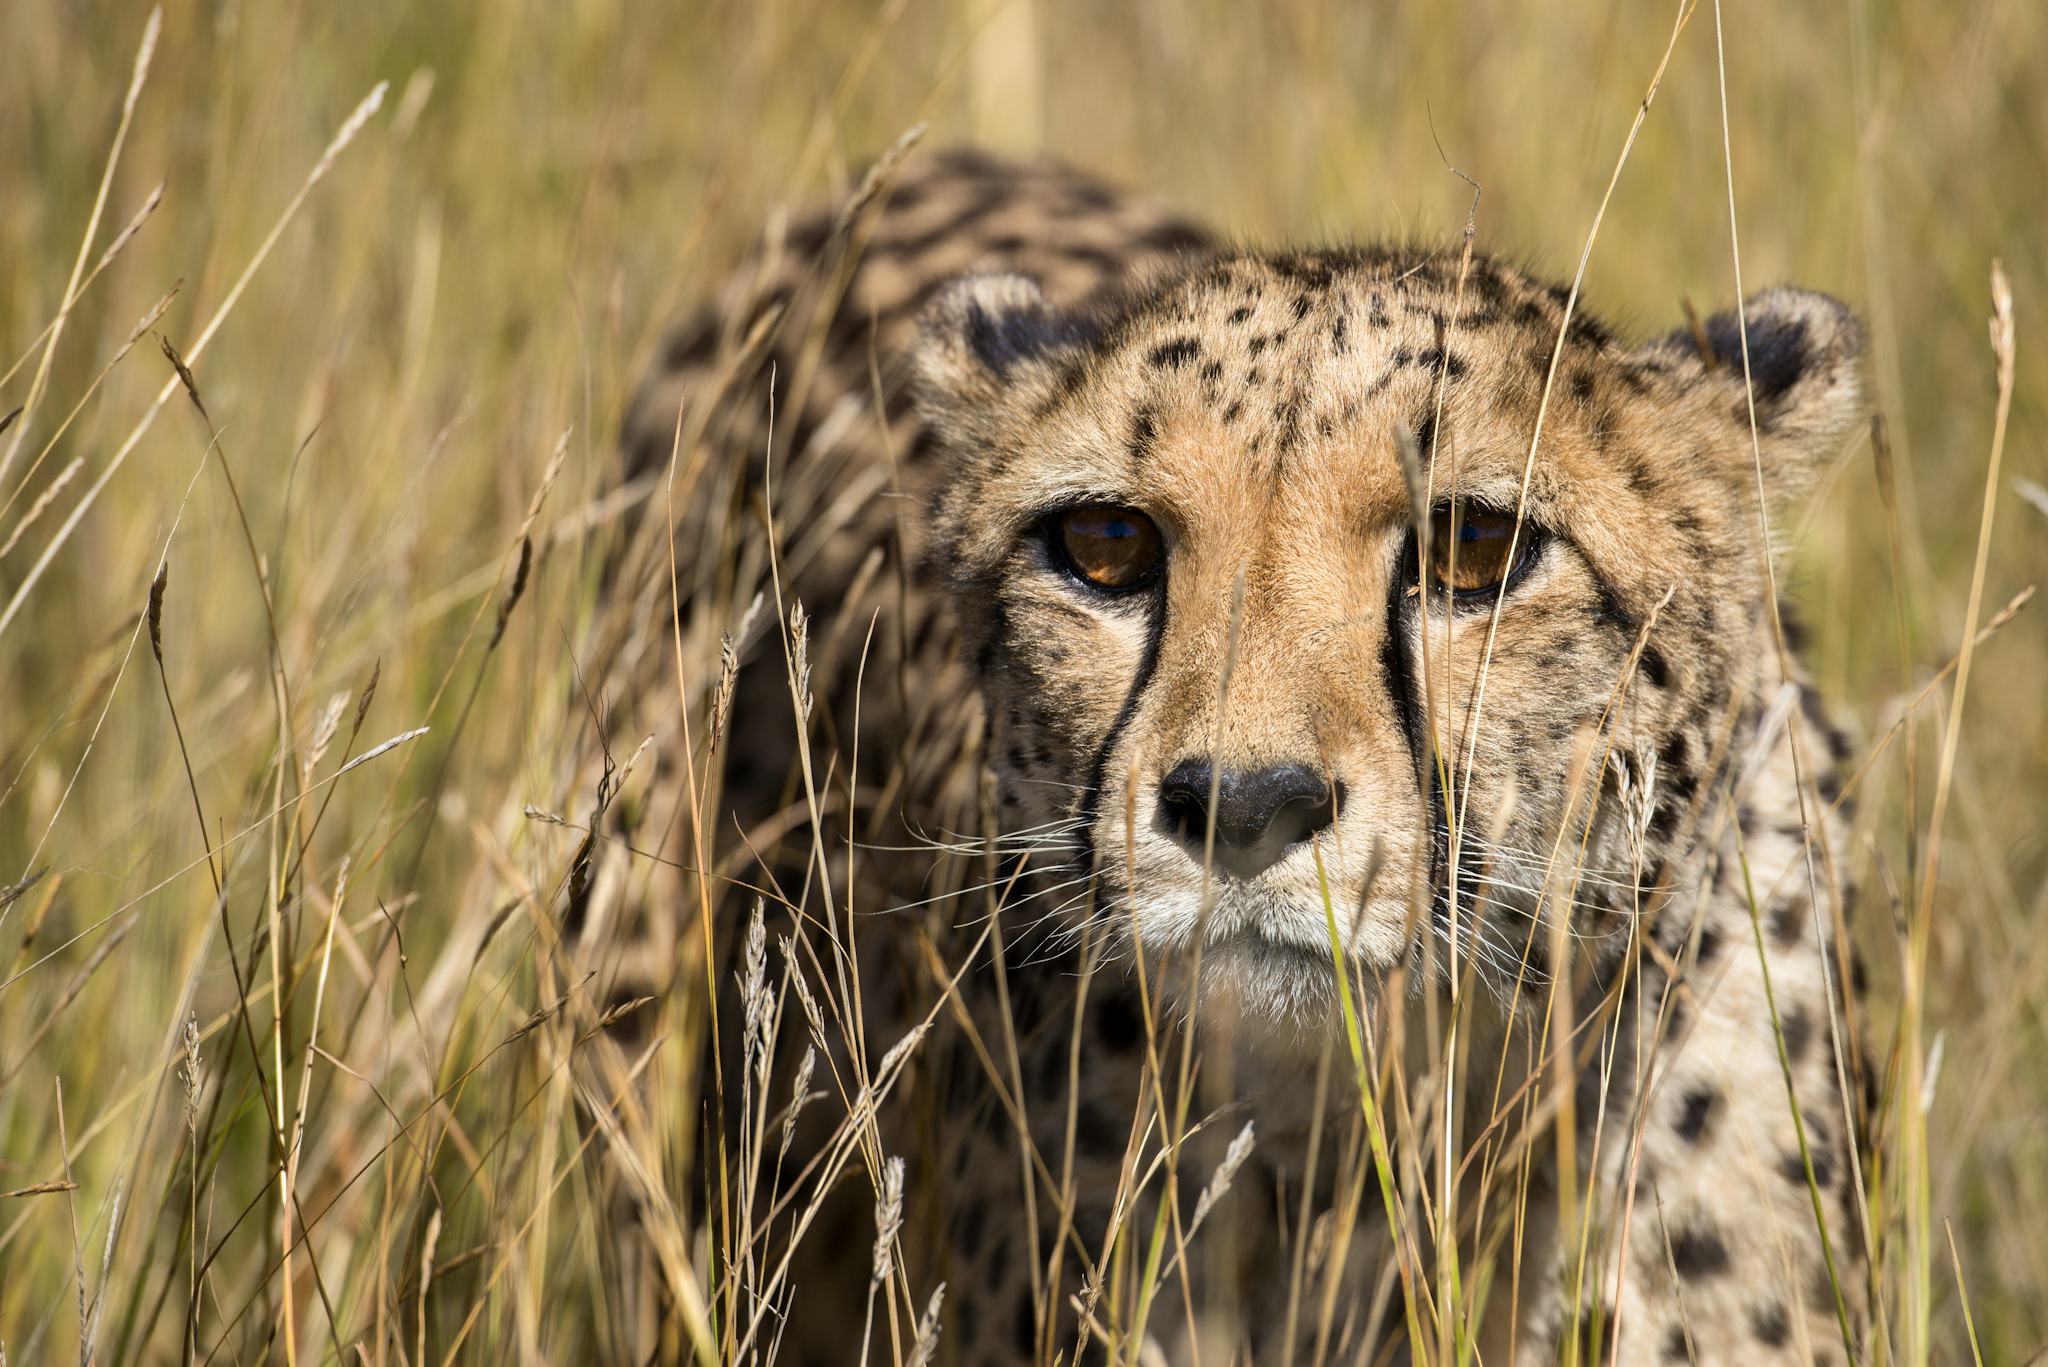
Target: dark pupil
[(1478, 560), (1112, 548)]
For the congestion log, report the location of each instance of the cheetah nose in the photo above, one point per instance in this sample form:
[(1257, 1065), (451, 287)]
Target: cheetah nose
[(1259, 815)]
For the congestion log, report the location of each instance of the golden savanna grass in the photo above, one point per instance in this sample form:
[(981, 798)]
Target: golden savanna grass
[(320, 320)]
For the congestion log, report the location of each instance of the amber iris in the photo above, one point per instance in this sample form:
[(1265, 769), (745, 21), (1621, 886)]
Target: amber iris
[(1109, 547), (1470, 548)]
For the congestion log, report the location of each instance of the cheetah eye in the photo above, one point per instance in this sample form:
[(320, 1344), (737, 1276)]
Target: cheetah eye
[(1109, 548), (1469, 548)]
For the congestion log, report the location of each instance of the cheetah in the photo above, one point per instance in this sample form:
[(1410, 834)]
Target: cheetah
[(1344, 630)]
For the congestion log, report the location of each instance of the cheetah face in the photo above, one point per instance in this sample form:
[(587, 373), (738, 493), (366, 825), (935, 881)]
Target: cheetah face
[(1279, 692)]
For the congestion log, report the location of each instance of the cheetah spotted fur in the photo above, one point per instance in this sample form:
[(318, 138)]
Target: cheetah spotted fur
[(1608, 752)]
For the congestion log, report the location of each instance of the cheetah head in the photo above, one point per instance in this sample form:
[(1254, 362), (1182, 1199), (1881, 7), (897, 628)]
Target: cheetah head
[(1269, 658)]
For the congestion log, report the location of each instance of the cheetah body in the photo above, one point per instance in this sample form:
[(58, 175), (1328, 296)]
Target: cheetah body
[(1557, 803)]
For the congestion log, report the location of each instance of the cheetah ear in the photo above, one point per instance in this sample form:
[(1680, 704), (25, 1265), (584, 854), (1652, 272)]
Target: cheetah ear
[(1805, 371), (986, 340)]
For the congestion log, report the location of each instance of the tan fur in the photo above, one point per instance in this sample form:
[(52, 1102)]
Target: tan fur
[(1601, 751)]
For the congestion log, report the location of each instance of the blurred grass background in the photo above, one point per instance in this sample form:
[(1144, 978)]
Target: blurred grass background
[(489, 264)]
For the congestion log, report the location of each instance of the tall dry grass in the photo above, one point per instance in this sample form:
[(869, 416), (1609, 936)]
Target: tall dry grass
[(295, 603)]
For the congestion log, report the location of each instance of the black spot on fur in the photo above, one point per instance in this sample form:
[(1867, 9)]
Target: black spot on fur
[(1590, 331), (1642, 479), (1698, 1251), (1304, 269), (1816, 715), (692, 346), (1213, 371), (1288, 419), (1792, 1167), (1436, 359), (1676, 1348), (999, 626), (1230, 413), (1695, 1114), (1788, 918), (1664, 820), (1088, 195), (1175, 354), (1798, 1031), (1484, 282), (1240, 313), (1797, 637), (1770, 1324), (1780, 352), (1582, 385), (1425, 431), (809, 237), (1006, 340), (1610, 611), (1655, 668), (1143, 434)]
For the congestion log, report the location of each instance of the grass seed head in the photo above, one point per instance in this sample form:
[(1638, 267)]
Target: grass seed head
[(888, 1219), (799, 1097), (926, 1344)]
